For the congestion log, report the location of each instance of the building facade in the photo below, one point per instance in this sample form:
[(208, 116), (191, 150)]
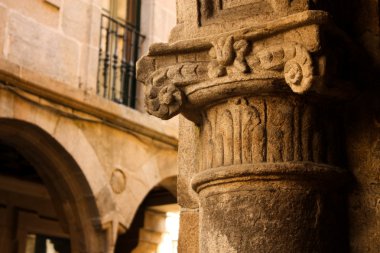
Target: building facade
[(80, 161)]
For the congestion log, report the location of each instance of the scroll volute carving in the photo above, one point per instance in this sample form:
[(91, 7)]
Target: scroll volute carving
[(163, 94), (292, 58)]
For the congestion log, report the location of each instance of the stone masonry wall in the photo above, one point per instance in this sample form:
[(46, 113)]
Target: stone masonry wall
[(58, 39)]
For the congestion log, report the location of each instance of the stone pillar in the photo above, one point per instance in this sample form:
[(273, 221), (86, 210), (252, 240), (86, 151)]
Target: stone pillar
[(260, 82)]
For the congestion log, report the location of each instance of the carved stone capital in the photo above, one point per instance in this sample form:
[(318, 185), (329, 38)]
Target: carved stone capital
[(168, 87), (284, 56)]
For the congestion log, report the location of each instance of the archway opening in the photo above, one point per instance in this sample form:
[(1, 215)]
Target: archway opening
[(156, 223), (30, 222), (54, 205)]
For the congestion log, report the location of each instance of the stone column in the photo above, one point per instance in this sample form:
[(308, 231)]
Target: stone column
[(260, 82), (264, 178)]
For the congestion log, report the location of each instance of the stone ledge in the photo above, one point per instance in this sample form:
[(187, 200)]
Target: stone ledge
[(287, 171), (60, 93), (253, 33)]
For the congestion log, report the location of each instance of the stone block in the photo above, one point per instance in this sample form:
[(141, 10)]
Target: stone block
[(187, 163), (144, 247), (186, 58), (150, 236), (24, 110), (154, 221), (3, 21), (9, 67), (94, 25), (163, 61), (40, 11), (189, 231), (203, 56), (46, 119), (6, 103), (89, 68), (76, 19), (47, 52)]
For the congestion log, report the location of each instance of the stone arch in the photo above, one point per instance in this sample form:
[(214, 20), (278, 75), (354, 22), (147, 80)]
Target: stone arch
[(170, 184), (73, 194), (146, 229)]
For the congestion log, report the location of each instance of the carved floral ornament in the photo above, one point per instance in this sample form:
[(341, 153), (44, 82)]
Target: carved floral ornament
[(291, 58), (231, 60)]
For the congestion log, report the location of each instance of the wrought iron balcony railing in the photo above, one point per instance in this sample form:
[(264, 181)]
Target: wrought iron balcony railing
[(118, 52)]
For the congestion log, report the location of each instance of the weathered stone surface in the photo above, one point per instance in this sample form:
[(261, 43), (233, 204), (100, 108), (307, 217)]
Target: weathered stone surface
[(188, 164), (75, 19), (261, 82), (3, 20), (189, 231), (48, 52), (94, 24), (38, 11), (88, 66), (269, 207)]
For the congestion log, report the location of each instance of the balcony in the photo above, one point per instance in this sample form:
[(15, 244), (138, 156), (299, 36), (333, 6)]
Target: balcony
[(118, 52)]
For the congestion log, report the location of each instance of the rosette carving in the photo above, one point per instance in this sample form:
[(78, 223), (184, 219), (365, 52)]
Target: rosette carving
[(163, 95)]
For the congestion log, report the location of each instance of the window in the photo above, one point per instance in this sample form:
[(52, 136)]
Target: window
[(118, 50)]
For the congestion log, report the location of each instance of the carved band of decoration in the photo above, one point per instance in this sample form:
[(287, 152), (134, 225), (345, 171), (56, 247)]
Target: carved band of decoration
[(164, 93), (266, 130), (319, 174), (291, 58), (226, 52), (163, 97)]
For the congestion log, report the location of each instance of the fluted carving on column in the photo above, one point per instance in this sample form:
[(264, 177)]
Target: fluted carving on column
[(256, 129)]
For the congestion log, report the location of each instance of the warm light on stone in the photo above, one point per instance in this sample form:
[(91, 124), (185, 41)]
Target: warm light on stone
[(260, 140)]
